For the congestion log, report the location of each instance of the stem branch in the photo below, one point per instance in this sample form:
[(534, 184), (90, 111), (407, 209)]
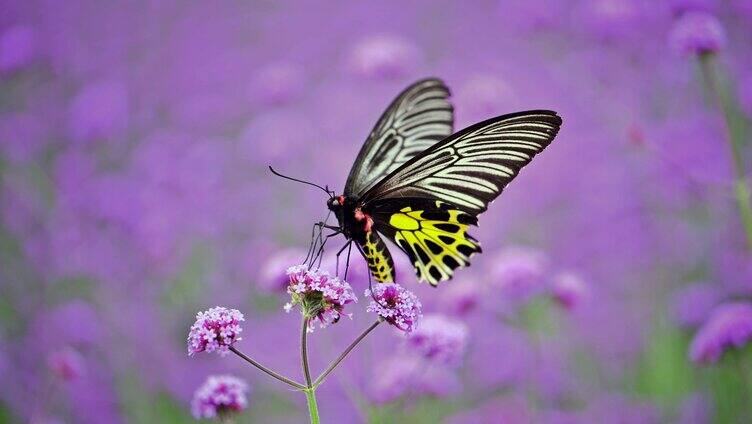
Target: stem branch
[(735, 136), (344, 354), (278, 376), (304, 352)]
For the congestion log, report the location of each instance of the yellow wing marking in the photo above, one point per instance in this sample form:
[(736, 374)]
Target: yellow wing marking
[(379, 260), (436, 240)]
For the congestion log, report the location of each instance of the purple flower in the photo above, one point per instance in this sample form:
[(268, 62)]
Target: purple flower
[(408, 374), (679, 7), (23, 136), (215, 330), (98, 111), (322, 297), (569, 290), (276, 84), (396, 305), (729, 325), (519, 273), (463, 296), (509, 409), (697, 33), (691, 304), (384, 57), (220, 395), (630, 411), (695, 409), (17, 48), (66, 364), (484, 95), (439, 339), (272, 276)]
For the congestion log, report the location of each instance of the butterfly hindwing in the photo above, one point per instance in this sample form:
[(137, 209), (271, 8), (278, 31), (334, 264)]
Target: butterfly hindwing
[(433, 234), (377, 255)]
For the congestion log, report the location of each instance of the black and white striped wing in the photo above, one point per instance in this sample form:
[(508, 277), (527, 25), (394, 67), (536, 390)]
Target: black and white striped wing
[(417, 119), (469, 169)]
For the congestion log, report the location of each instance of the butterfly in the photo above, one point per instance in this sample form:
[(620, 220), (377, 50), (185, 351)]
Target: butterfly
[(420, 185)]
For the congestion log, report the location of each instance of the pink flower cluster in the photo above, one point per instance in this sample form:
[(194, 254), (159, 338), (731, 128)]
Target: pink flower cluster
[(215, 330), (396, 305), (321, 296), (219, 395)]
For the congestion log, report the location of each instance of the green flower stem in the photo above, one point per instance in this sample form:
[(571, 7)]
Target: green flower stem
[(310, 390), (304, 352), (278, 376), (735, 135), (313, 407), (344, 354)]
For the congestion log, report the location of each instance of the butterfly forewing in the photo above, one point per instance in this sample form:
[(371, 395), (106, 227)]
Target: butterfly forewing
[(471, 168), (418, 118)]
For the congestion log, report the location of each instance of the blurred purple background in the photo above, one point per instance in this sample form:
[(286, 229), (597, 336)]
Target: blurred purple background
[(134, 140)]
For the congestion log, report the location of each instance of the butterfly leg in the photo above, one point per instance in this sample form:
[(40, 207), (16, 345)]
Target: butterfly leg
[(316, 259), (336, 271), (314, 236), (347, 261)]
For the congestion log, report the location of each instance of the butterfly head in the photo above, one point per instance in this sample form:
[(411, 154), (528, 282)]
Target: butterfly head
[(335, 203)]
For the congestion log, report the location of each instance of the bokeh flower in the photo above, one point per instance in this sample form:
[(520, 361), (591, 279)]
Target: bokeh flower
[(413, 376), (464, 295), (691, 305), (215, 330), (439, 339), (396, 305), (66, 364), (276, 84), (569, 290), (220, 395), (729, 326), (99, 111), (384, 57), (272, 276), (322, 298), (519, 273), (17, 48), (697, 33)]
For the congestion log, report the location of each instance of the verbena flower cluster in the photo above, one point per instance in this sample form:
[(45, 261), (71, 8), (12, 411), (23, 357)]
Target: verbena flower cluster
[(729, 326), (215, 330), (321, 297), (396, 305), (219, 395), (439, 339)]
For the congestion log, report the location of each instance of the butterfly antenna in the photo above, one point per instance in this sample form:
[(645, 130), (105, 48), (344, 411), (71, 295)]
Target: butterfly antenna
[(325, 189)]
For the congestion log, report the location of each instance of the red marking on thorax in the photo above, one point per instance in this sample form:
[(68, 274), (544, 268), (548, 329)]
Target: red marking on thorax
[(360, 216), (341, 200)]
